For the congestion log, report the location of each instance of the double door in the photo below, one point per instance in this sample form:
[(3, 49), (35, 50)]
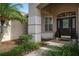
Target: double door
[(66, 26)]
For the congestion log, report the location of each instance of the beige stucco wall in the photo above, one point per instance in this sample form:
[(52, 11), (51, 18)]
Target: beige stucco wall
[(13, 31), (17, 29)]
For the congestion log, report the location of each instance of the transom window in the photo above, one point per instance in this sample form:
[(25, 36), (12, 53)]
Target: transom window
[(48, 23), (67, 14)]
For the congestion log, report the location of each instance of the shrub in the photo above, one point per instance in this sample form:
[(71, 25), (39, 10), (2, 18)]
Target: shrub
[(25, 38), (18, 50), (27, 45), (51, 53), (33, 45), (70, 50), (67, 50)]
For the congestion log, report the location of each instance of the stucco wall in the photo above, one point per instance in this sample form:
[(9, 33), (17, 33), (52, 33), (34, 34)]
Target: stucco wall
[(17, 29), (13, 31)]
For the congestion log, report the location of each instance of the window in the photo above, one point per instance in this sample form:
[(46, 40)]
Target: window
[(65, 23), (67, 14), (48, 23)]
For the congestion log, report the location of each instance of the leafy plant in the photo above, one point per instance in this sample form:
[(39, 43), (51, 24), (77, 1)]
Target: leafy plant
[(9, 11), (25, 46), (18, 50), (25, 38), (70, 49)]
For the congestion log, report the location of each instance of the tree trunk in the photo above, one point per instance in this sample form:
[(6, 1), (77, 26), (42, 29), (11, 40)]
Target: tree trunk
[(2, 25)]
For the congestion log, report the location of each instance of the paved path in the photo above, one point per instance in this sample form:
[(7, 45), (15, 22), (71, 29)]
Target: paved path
[(49, 43), (43, 49), (37, 52)]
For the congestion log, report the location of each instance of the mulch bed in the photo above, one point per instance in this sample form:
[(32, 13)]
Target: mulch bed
[(7, 46)]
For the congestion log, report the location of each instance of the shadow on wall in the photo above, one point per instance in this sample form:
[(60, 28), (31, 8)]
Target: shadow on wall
[(5, 31)]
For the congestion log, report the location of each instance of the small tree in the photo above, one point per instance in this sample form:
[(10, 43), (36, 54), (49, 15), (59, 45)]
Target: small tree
[(9, 11)]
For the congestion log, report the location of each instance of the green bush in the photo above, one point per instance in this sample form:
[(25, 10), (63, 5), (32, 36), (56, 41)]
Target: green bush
[(70, 50), (33, 45), (67, 50), (27, 45), (18, 50), (25, 38), (51, 53)]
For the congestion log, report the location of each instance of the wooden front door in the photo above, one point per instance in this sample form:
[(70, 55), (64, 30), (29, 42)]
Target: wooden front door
[(66, 26)]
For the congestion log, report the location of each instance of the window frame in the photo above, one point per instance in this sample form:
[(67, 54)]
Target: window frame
[(48, 24)]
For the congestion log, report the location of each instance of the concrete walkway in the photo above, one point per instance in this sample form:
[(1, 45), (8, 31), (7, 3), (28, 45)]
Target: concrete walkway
[(43, 49), (38, 52), (49, 43)]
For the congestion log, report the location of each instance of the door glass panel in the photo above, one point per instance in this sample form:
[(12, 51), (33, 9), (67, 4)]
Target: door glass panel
[(50, 20), (50, 27), (46, 27), (73, 22), (46, 20), (65, 23)]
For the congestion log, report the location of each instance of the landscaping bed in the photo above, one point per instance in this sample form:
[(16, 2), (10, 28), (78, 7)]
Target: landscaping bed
[(68, 49), (25, 45), (7, 46)]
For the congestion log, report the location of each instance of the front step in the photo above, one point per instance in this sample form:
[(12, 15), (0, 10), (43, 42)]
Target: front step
[(49, 43), (65, 38)]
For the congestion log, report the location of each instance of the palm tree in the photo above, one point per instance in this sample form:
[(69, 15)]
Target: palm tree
[(9, 11)]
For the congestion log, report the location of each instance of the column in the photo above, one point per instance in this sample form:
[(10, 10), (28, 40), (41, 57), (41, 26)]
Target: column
[(34, 22)]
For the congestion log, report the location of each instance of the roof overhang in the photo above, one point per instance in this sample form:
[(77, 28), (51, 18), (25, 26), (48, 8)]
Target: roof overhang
[(42, 5)]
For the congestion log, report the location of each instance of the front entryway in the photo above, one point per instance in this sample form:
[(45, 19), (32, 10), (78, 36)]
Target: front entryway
[(66, 27)]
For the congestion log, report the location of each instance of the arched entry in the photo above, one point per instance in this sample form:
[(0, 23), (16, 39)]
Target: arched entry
[(66, 24)]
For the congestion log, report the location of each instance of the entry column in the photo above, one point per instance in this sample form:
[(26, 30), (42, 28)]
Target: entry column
[(34, 22)]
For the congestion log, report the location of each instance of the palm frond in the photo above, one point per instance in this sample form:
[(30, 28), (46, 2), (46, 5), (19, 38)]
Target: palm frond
[(11, 12)]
